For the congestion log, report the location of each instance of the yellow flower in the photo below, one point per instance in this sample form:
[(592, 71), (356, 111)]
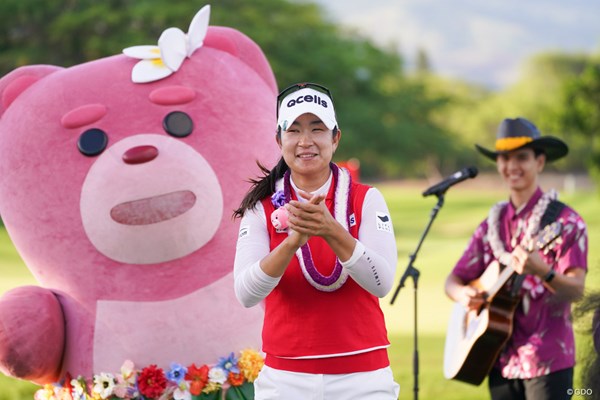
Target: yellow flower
[(94, 396), (45, 393), (250, 364), (211, 387)]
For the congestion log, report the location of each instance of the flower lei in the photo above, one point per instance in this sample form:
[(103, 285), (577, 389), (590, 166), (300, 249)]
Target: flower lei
[(341, 209), (231, 375), (533, 226)]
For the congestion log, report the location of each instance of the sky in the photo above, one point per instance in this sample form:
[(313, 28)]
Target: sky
[(481, 41)]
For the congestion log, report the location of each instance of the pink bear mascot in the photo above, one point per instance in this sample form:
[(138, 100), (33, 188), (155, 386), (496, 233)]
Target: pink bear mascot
[(118, 181)]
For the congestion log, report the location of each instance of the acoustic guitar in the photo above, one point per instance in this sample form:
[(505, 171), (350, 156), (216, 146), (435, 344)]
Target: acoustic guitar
[(476, 337)]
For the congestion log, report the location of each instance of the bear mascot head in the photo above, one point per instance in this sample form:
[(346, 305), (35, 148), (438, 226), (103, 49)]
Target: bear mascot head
[(118, 181)]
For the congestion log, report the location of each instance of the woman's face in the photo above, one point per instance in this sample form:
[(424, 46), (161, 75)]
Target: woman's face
[(307, 147), (520, 168)]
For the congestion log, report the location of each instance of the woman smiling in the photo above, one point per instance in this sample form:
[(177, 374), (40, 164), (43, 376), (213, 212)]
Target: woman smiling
[(319, 250)]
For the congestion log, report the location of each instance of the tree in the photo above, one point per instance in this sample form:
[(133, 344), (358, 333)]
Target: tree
[(384, 116), (473, 114), (582, 110), (422, 65)]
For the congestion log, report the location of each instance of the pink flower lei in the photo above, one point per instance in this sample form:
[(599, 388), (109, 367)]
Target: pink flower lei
[(341, 211)]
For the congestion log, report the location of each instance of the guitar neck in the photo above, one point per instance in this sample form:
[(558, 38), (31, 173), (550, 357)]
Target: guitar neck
[(544, 238), (547, 236), (503, 277)]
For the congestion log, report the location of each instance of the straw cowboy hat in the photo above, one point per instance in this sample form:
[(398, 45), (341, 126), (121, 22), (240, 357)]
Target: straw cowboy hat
[(517, 133)]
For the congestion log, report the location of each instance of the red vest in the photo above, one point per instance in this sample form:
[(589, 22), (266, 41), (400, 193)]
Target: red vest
[(303, 321)]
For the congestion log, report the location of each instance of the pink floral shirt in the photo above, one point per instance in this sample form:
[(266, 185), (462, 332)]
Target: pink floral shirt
[(542, 341)]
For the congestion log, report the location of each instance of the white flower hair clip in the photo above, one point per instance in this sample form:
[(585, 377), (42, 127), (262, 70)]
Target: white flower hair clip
[(158, 62)]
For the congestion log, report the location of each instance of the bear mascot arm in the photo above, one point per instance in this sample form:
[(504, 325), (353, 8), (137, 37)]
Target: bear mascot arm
[(32, 334)]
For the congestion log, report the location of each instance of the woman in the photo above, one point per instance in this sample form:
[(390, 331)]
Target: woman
[(321, 267)]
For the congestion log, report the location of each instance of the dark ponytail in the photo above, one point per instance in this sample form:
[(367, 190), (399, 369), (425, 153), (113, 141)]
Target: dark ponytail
[(261, 187)]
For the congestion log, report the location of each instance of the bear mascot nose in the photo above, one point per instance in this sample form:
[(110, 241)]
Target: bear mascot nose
[(140, 154)]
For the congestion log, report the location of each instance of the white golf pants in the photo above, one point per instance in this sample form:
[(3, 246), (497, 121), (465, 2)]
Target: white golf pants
[(274, 384)]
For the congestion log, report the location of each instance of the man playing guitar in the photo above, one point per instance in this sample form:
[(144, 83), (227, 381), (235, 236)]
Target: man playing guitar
[(538, 358)]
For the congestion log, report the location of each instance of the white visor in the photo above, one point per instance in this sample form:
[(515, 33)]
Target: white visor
[(304, 101)]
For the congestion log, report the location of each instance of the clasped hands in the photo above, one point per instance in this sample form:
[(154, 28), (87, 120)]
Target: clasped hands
[(306, 219)]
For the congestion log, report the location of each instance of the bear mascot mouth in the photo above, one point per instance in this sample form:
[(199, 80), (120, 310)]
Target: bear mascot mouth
[(153, 209)]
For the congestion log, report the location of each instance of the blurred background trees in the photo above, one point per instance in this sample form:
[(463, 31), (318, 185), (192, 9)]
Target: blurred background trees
[(398, 123)]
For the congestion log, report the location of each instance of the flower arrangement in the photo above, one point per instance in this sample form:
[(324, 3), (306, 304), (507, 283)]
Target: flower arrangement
[(231, 376)]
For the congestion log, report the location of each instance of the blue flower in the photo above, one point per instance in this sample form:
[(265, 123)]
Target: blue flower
[(278, 198), (177, 373), (229, 364)]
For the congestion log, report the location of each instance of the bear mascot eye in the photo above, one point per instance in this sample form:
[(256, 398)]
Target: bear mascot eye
[(178, 124), (92, 142)]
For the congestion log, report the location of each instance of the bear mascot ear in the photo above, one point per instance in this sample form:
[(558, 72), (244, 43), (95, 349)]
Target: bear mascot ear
[(19, 80), (240, 46)]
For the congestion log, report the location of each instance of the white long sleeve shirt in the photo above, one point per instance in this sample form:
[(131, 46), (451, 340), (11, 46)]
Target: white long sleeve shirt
[(372, 264)]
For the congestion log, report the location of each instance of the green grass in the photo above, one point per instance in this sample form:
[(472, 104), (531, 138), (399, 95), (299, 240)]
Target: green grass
[(13, 389), (13, 272), (463, 210)]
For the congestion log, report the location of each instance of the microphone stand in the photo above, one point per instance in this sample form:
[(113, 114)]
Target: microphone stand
[(414, 273)]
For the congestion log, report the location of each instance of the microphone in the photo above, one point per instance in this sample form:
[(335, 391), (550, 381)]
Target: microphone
[(457, 177)]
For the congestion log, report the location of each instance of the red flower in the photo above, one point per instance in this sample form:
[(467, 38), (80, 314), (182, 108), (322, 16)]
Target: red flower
[(235, 379), (198, 378), (67, 385), (152, 381)]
